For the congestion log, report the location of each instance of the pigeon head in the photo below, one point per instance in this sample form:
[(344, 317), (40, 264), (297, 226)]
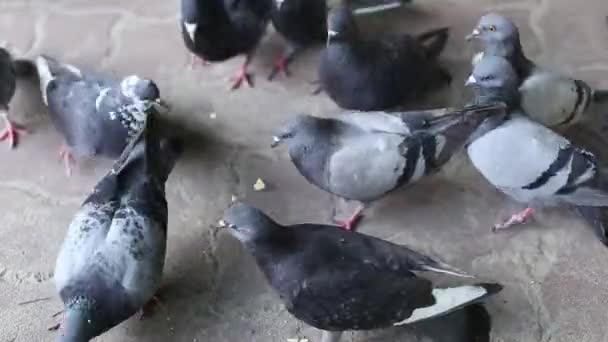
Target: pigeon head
[(494, 79), (341, 25), (79, 322), (139, 88), (301, 128), (494, 28), (247, 223)]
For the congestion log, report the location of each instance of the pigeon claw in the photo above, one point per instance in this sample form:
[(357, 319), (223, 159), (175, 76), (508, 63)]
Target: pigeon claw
[(515, 219), (11, 133), (241, 77), (350, 223), (281, 65), (196, 61), (68, 160)]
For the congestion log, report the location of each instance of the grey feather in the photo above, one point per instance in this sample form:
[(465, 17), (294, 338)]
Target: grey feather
[(96, 114), (111, 261), (368, 155)]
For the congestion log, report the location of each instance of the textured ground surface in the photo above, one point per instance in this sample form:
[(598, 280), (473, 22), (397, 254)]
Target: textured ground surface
[(554, 270)]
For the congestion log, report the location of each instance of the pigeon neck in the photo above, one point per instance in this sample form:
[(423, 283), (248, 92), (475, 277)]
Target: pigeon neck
[(509, 49)]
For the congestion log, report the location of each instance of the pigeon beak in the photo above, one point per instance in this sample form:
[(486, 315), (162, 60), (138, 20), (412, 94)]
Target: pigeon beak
[(476, 32), (275, 141), (470, 81)]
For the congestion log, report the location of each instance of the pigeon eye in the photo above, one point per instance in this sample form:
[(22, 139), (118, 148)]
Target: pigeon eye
[(492, 28), (487, 78)]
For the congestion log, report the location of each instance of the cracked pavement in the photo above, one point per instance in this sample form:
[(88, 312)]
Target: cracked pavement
[(554, 269)]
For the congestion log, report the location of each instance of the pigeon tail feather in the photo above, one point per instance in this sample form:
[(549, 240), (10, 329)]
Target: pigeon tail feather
[(595, 218), (450, 299)]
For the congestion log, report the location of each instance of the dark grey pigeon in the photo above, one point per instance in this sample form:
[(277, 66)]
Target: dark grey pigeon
[(525, 160), (96, 114), (10, 70), (363, 156), (337, 281), (304, 22), (111, 261), (216, 30), (551, 98), (376, 74)]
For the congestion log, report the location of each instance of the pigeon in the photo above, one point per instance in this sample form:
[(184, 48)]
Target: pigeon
[(363, 156), (552, 99), (337, 281), (96, 114), (377, 74), (524, 159), (217, 30), (304, 22), (10, 70), (301, 23), (111, 261)]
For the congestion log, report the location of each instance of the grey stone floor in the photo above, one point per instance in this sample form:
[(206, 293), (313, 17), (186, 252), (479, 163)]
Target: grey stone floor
[(554, 270)]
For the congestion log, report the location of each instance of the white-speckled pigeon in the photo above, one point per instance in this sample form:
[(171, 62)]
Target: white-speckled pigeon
[(95, 113), (524, 159), (10, 70), (111, 261), (337, 281), (377, 74), (216, 30), (363, 156), (553, 99)]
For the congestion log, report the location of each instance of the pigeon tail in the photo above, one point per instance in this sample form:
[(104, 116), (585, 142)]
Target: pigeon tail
[(434, 41), (595, 218), (600, 96), (450, 299), (24, 68)]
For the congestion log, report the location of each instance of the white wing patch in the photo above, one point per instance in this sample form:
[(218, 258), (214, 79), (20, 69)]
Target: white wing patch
[(45, 75), (446, 300), (191, 29), (102, 95), (420, 167), (440, 141)]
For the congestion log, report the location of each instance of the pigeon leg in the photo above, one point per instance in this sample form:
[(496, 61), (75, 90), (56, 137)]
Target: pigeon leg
[(350, 223), (515, 219), (11, 131), (281, 65), (242, 75), (68, 160), (331, 336), (197, 61)]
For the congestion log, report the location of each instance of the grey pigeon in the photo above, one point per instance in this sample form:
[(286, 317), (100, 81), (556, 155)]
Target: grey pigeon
[(216, 30), (337, 281), (111, 261), (96, 114), (381, 73), (10, 70), (363, 156), (524, 159), (553, 99)]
